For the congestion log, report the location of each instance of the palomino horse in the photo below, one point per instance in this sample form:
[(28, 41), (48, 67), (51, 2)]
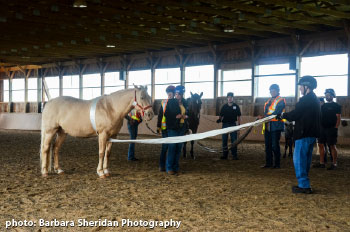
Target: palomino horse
[(194, 109), (101, 116)]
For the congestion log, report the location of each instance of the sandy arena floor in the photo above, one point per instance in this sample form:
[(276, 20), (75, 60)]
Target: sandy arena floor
[(208, 195)]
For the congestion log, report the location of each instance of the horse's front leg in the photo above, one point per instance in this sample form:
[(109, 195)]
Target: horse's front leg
[(191, 152), (102, 141), (106, 158), (184, 150)]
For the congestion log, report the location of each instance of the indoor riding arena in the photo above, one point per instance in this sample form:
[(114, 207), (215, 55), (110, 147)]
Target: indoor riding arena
[(78, 77)]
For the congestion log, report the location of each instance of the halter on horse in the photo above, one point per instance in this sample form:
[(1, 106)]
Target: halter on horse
[(194, 108), (68, 115)]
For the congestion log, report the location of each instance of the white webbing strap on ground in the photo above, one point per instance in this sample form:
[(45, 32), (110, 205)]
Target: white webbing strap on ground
[(93, 112), (186, 138)]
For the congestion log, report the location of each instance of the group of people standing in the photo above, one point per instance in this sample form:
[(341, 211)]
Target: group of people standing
[(312, 123), (172, 117)]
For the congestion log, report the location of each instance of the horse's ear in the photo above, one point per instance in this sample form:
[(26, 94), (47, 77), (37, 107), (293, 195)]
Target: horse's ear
[(191, 94), (135, 86), (145, 87), (200, 95)]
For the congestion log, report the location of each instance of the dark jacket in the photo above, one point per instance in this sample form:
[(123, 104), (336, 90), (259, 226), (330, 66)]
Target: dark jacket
[(307, 115), (171, 111)]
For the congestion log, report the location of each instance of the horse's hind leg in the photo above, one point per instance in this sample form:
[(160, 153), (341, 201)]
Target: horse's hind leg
[(191, 152), (106, 158), (46, 144), (61, 136)]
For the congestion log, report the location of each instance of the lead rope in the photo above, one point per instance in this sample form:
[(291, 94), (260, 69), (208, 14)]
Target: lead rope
[(236, 143)]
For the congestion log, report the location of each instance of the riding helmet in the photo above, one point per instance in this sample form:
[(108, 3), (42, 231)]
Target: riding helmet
[(330, 91), (275, 87), (180, 89), (170, 88), (308, 81)]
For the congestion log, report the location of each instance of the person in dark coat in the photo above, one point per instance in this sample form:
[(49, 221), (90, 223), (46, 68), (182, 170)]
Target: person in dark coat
[(307, 128), (161, 126), (176, 114), (230, 114)]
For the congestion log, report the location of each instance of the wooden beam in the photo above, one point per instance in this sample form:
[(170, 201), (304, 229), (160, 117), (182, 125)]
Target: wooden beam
[(308, 8)]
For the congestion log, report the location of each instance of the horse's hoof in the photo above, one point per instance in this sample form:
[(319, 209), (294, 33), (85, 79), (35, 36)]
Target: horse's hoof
[(46, 175), (107, 174), (59, 171), (102, 177)]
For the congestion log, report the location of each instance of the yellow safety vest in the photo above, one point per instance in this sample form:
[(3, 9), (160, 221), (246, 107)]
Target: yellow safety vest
[(134, 115), (272, 109), (164, 104)]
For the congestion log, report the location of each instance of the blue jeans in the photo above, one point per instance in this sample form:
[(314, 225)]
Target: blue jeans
[(133, 134), (302, 160), (162, 160), (233, 136), (272, 147), (172, 161)]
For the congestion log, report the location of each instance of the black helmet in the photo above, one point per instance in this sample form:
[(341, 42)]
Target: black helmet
[(229, 94), (308, 81), (330, 91), (275, 87), (180, 89), (170, 88)]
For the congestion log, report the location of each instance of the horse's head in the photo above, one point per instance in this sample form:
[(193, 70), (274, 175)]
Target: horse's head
[(143, 103), (195, 103)]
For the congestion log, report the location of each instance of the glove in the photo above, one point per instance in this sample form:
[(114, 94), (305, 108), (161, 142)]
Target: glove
[(159, 131), (218, 121), (279, 116)]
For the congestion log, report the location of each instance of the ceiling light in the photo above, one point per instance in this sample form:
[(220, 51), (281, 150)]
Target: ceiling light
[(229, 30), (79, 3), (110, 46)]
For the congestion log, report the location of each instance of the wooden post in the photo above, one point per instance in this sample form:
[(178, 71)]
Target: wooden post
[(347, 31), (39, 87), (26, 76), (60, 77)]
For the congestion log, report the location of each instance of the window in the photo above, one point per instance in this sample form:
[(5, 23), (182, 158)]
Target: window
[(18, 90), (164, 78), (33, 89), (330, 72), (112, 82), (200, 79), (275, 74), (91, 86), (53, 84), (6, 90), (237, 81), (71, 86), (142, 77)]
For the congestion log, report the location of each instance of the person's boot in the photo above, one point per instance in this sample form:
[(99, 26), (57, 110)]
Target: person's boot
[(318, 165), (332, 167), (297, 189)]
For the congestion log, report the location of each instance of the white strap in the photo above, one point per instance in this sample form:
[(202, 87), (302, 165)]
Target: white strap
[(192, 137), (93, 112)]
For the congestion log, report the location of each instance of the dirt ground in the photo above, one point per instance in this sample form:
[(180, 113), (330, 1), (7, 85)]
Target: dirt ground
[(208, 195)]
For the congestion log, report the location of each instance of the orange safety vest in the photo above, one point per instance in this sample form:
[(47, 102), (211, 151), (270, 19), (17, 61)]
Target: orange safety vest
[(272, 109), (164, 104), (135, 115)]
